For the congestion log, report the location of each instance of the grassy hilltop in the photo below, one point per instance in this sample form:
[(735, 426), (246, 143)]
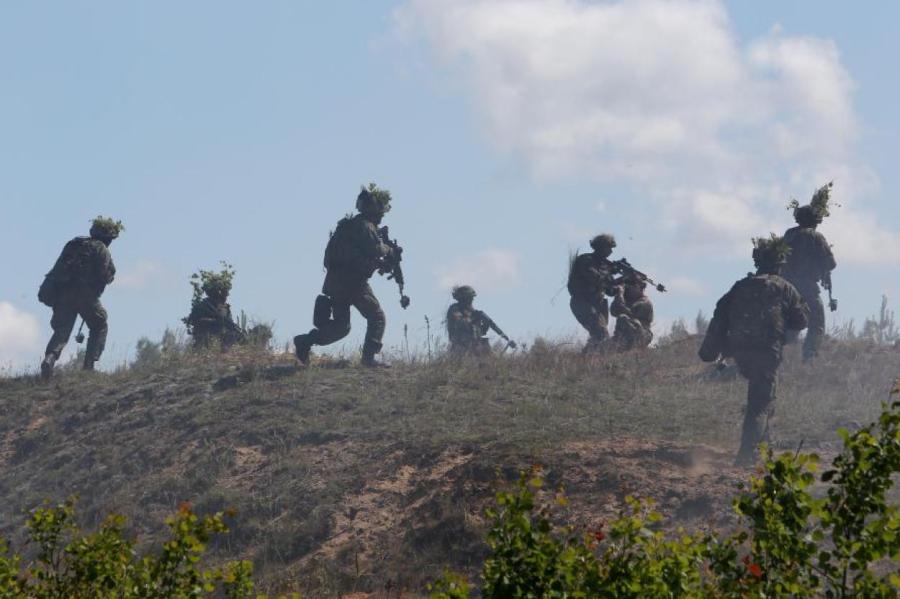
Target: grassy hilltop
[(349, 479)]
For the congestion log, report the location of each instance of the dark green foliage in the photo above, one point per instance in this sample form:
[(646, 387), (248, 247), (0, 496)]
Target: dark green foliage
[(819, 203), (72, 563), (212, 283), (791, 542)]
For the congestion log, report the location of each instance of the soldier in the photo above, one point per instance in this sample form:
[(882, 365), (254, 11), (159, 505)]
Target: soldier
[(467, 327), (590, 280), (73, 288), (750, 323), (810, 262), (210, 318), (354, 252), (634, 315)]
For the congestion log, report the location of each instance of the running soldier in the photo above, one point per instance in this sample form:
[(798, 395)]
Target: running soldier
[(356, 250), (73, 288), (750, 324), (810, 263), (467, 327)]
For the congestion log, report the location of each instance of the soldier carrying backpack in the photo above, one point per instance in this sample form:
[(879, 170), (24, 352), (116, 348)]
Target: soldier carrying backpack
[(355, 251), (750, 324), (73, 288)]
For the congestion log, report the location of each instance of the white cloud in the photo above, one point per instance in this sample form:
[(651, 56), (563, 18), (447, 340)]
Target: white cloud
[(19, 335), (141, 275), (488, 269), (660, 94)]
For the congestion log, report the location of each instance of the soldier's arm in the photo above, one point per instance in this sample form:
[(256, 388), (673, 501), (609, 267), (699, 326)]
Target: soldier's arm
[(796, 312), (619, 307), (828, 261), (370, 243), (643, 311)]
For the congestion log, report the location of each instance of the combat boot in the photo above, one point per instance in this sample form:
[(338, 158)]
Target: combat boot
[(369, 361), (369, 349), (302, 346), (47, 366), (88, 365)]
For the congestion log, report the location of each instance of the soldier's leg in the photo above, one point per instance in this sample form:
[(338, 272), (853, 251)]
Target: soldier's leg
[(815, 330), (376, 322), (95, 318), (594, 319), (62, 322), (761, 372), (335, 329)]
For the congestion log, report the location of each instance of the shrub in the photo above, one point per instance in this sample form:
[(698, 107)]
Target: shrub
[(71, 563), (790, 543)]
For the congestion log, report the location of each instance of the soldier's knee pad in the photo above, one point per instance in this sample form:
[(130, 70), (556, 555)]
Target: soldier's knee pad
[(322, 311)]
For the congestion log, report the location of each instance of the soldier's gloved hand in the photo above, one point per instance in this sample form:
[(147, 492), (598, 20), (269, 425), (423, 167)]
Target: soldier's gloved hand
[(511, 343)]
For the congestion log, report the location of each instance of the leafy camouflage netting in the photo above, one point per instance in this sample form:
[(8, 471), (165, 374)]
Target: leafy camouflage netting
[(103, 226)]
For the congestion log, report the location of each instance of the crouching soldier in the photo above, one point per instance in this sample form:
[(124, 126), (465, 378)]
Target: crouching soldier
[(750, 324), (73, 288), (634, 315), (467, 327), (210, 319)]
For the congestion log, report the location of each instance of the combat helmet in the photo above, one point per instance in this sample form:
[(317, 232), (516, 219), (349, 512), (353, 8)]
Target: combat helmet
[(373, 200), (604, 241), (463, 292), (770, 253), (106, 228)]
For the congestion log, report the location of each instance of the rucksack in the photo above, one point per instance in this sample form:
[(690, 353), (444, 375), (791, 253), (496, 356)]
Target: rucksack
[(755, 319), (338, 252), (73, 265)]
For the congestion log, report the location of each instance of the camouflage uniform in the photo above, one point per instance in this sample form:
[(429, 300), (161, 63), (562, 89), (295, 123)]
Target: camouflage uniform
[(749, 324), (634, 317), (590, 280), (211, 319), (810, 261), (355, 251), (73, 288), (467, 327)]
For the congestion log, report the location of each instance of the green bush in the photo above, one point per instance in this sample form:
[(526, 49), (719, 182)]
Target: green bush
[(791, 543), (105, 564)]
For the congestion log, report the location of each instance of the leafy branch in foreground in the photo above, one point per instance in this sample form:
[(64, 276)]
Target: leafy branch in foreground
[(791, 543), (104, 564)]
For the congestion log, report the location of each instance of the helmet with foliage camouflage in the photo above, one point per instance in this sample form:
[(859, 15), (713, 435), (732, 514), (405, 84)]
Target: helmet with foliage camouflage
[(463, 292), (770, 252), (212, 283), (373, 200), (106, 228), (604, 241), (815, 212)]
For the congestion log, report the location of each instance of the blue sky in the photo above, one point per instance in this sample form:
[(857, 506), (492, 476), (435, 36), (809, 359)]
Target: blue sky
[(508, 131)]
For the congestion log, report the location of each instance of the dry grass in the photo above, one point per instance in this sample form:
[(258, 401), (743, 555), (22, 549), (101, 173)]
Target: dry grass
[(348, 479)]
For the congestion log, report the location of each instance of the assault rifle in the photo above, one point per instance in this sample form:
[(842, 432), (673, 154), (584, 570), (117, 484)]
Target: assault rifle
[(485, 323), (391, 265), (623, 267)]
